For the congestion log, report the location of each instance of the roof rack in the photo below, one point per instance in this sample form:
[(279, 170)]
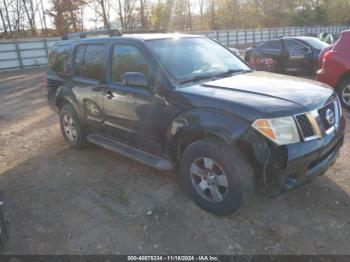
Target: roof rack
[(146, 31), (79, 35)]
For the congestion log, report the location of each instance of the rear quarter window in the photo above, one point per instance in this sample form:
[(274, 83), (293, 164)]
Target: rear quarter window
[(59, 59)]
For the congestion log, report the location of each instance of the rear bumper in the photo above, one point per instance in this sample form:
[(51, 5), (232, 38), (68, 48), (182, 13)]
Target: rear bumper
[(329, 78), (52, 104)]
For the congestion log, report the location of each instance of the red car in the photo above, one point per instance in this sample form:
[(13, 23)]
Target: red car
[(334, 67)]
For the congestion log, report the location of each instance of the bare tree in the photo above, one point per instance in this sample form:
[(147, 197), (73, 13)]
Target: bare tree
[(7, 17), (43, 16), (189, 25), (30, 15), (3, 22), (104, 14)]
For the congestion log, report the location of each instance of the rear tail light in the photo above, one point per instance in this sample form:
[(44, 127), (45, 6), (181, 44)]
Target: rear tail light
[(328, 55)]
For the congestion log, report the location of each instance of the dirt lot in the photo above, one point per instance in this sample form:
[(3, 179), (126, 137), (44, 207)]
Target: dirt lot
[(64, 201)]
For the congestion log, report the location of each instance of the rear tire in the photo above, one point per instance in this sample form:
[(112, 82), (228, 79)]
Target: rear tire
[(71, 128), (203, 166), (343, 91)]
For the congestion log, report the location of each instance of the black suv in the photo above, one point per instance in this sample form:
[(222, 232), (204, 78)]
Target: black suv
[(185, 102)]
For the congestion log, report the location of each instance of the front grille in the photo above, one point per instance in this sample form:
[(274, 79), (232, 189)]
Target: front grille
[(305, 126), (322, 113), (315, 123)]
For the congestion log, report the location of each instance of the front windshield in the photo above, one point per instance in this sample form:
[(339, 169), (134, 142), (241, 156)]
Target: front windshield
[(188, 58)]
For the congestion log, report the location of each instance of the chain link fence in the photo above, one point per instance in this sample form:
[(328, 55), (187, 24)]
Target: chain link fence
[(27, 53)]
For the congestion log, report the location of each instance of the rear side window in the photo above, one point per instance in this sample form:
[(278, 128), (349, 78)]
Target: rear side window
[(59, 59), (89, 62), (275, 45), (127, 58)]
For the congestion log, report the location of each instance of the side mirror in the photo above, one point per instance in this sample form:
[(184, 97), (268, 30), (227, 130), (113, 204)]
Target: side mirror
[(135, 79)]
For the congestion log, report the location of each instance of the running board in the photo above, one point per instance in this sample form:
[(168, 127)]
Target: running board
[(128, 151)]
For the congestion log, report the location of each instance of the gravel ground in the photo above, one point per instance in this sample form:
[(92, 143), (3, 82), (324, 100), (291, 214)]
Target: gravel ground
[(65, 201)]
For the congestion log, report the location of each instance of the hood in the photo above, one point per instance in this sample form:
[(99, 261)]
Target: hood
[(261, 93)]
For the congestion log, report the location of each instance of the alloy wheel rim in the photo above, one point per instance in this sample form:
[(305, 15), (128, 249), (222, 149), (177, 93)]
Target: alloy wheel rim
[(209, 179), (346, 95), (69, 128)]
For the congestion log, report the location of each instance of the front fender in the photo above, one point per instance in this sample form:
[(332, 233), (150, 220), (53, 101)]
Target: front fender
[(203, 123)]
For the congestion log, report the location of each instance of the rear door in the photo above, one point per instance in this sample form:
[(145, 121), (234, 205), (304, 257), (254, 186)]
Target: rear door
[(274, 50), (88, 81), (298, 56)]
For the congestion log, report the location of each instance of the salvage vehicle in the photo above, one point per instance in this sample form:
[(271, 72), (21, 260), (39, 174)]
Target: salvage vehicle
[(334, 67), (185, 102), (298, 55)]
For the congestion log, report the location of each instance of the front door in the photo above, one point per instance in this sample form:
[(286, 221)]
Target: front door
[(132, 114)]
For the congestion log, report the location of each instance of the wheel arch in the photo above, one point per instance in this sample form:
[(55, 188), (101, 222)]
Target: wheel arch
[(343, 77), (65, 96), (198, 124)]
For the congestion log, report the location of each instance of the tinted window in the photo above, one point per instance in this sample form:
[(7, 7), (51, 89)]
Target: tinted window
[(295, 46), (59, 59), (127, 58), (316, 43), (93, 62), (276, 44), (78, 62), (89, 61)]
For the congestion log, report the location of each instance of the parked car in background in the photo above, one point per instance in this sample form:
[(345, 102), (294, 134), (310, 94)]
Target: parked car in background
[(286, 55), (334, 67)]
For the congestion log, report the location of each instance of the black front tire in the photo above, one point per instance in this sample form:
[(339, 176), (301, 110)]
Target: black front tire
[(239, 173), (79, 140), (343, 88)]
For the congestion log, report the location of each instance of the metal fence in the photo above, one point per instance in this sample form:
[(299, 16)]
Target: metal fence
[(236, 38), (24, 53)]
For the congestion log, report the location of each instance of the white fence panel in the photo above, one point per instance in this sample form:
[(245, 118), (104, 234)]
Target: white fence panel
[(21, 53)]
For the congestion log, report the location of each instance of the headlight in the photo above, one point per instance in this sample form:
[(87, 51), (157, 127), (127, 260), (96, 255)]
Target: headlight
[(282, 131)]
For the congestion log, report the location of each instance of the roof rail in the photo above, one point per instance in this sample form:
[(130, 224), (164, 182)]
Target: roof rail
[(78, 35), (146, 31)]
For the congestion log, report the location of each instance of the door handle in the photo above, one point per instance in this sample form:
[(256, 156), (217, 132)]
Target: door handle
[(109, 94)]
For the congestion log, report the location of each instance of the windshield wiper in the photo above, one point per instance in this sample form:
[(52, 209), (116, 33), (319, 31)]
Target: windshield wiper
[(224, 74), (196, 79), (232, 71)]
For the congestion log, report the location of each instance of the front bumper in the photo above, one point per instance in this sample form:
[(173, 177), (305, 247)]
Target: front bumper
[(306, 165), (288, 167)]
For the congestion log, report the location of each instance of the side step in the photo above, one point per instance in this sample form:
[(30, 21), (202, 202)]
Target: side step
[(134, 153)]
